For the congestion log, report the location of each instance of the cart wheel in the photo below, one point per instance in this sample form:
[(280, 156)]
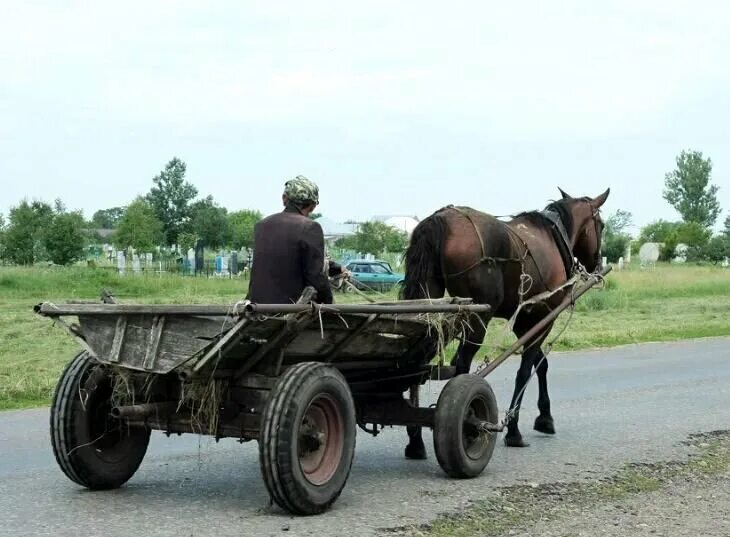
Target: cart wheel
[(461, 448), (92, 448), (307, 438)]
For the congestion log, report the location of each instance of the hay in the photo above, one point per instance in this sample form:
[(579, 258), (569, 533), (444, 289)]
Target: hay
[(203, 397), (445, 327)]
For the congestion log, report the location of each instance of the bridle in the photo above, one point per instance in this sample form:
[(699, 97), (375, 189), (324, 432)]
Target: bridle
[(596, 217)]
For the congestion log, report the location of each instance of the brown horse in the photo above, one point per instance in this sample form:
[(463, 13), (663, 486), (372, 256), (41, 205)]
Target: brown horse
[(472, 254)]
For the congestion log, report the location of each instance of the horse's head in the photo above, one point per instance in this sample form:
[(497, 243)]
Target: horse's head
[(587, 228)]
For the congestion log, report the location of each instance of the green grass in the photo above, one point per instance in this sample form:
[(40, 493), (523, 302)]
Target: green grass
[(665, 303)]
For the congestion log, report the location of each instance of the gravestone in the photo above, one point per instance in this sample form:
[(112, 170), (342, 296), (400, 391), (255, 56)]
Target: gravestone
[(620, 263), (224, 265), (199, 258), (121, 262), (136, 266), (604, 261), (649, 253), (680, 253), (234, 263), (148, 259), (726, 262), (189, 262)]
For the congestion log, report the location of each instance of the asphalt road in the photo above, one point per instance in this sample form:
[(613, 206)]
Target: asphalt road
[(629, 404)]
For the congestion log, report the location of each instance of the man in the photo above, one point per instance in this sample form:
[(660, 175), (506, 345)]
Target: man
[(289, 250)]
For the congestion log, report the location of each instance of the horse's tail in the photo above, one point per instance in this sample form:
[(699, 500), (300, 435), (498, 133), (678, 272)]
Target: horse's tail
[(423, 260)]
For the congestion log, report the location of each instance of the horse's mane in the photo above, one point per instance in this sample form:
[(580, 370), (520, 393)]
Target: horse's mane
[(562, 207)]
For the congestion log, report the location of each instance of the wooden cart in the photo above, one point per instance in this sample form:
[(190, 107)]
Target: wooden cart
[(299, 378)]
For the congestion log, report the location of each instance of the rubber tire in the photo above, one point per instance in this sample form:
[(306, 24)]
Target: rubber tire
[(71, 428), (451, 411), (278, 442)]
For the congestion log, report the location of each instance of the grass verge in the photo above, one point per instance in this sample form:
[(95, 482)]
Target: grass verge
[(512, 509), (660, 304)]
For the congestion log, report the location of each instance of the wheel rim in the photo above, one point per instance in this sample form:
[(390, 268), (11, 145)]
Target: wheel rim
[(321, 440), (475, 441)]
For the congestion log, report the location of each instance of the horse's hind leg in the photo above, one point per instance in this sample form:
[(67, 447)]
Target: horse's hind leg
[(470, 344), (415, 449)]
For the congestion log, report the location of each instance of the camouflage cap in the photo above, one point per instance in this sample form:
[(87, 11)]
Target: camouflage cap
[(301, 190)]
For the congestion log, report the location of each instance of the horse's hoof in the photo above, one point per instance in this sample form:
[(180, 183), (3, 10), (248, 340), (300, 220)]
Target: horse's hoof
[(544, 425), (416, 452), (515, 441)]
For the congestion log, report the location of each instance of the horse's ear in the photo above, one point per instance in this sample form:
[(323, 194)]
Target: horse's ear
[(564, 194), (600, 200)]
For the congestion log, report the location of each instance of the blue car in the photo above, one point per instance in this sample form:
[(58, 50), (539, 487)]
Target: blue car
[(376, 275)]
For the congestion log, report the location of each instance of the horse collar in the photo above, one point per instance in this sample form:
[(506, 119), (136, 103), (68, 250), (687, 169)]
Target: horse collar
[(560, 235)]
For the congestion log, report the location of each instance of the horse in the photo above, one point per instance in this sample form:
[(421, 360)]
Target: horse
[(474, 255)]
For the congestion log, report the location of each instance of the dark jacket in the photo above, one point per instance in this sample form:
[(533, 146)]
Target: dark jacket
[(288, 256)]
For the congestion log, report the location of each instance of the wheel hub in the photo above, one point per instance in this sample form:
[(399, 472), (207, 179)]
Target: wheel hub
[(320, 440)]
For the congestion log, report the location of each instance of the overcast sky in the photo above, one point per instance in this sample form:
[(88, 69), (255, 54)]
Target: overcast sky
[(391, 107)]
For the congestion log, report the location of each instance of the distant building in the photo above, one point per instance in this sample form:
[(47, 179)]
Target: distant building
[(402, 223), (333, 230)]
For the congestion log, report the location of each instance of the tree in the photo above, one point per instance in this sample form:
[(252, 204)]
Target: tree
[(658, 231), (689, 191), (187, 240), (692, 234), (170, 199), (209, 222), (107, 218), (139, 227), (241, 224), (314, 216), (669, 248), (64, 239), (375, 238), (618, 222), (726, 231), (23, 236), (2, 236), (615, 239), (717, 249)]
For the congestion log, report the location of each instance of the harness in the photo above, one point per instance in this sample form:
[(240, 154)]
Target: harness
[(560, 236), (484, 258), (557, 230)]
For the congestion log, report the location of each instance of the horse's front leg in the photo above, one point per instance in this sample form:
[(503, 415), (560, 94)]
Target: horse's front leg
[(514, 437), (544, 422)]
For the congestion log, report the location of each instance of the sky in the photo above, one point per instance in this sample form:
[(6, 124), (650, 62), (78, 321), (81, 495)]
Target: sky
[(391, 107)]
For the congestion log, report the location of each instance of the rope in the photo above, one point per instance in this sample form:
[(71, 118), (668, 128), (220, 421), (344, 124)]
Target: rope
[(581, 274)]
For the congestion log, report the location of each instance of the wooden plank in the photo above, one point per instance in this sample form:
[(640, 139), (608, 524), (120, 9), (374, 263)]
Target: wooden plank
[(224, 310), (215, 310), (348, 339), (158, 324), (230, 338), (119, 333)]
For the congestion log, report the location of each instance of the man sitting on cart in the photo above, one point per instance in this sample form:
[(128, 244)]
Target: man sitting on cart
[(289, 249)]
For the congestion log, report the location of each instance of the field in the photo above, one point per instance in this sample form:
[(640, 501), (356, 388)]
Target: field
[(664, 303)]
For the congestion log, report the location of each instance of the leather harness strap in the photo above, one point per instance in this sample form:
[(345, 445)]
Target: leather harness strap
[(558, 231), (560, 236), (484, 258)]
